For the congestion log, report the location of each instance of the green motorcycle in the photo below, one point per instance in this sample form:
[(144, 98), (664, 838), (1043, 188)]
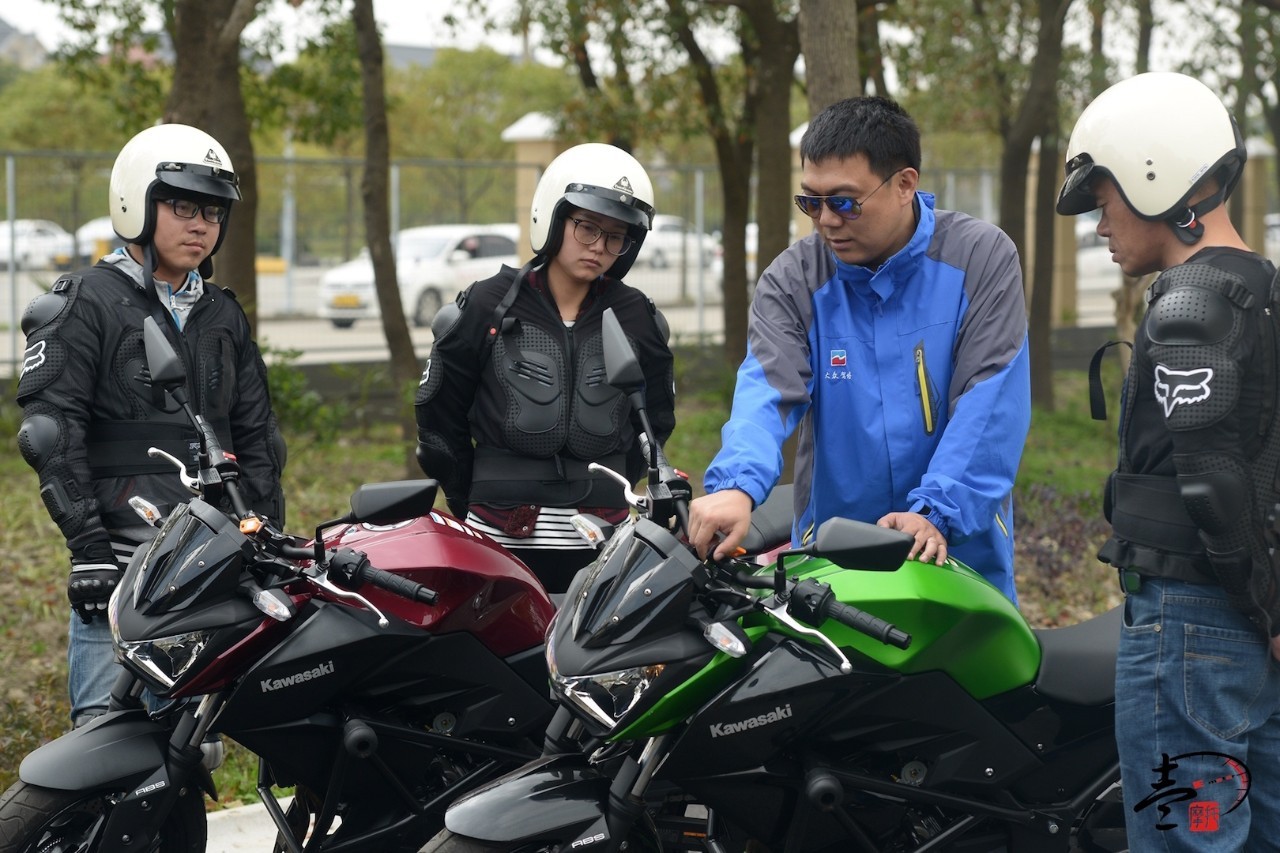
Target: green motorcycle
[(749, 708)]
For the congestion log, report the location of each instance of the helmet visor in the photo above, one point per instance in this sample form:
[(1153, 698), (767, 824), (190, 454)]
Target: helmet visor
[(615, 202), (1075, 196), (196, 178)]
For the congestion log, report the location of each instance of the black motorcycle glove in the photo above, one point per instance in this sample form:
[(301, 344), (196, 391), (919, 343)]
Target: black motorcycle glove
[(89, 587)]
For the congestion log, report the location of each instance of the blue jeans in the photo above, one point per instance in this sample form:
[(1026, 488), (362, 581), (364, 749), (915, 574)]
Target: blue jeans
[(1197, 723), (91, 666)]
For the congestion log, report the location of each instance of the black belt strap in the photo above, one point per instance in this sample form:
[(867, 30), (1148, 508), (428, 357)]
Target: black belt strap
[(499, 477), (119, 448), (1149, 511)]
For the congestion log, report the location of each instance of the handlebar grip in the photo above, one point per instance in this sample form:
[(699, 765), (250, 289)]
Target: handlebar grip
[(860, 620), (397, 584), (353, 569)]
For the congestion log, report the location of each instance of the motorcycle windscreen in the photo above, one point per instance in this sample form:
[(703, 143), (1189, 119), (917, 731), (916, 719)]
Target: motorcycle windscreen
[(198, 553), (640, 586)]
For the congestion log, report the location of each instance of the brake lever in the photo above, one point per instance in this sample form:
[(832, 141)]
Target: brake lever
[(780, 613), (321, 579), (191, 482), (640, 502)]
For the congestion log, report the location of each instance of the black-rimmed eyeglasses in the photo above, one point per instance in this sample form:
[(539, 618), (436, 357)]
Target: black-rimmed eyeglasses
[(844, 206), (185, 208), (587, 232)]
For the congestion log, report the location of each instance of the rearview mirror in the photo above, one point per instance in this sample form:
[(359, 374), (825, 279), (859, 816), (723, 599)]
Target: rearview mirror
[(858, 545), (163, 363), (621, 367), (387, 503)]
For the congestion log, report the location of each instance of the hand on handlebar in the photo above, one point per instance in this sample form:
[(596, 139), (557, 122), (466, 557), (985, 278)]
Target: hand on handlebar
[(726, 512)]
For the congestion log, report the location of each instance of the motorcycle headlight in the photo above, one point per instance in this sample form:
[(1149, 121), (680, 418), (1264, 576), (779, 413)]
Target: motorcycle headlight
[(163, 660), (606, 698)]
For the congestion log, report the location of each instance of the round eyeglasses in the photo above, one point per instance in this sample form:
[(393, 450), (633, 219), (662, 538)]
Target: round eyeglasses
[(587, 232)]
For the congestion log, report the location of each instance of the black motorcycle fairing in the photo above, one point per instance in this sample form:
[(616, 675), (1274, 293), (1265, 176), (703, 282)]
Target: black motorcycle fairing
[(329, 657), (555, 798), (197, 555), (1075, 743), (794, 693), (639, 585)]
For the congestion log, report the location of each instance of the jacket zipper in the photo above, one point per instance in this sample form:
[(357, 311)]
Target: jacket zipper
[(923, 384)]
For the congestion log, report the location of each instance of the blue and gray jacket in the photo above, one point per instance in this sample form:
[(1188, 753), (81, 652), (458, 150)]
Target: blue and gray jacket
[(909, 384)]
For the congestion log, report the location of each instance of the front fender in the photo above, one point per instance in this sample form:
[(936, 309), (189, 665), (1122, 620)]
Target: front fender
[(124, 751), (553, 797), (122, 746)]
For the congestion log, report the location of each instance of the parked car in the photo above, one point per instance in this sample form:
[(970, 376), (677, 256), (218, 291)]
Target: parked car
[(433, 264), (94, 239), (672, 241), (1087, 229), (36, 244)]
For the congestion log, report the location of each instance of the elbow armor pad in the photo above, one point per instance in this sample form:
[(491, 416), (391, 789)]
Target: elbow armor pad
[(42, 440)]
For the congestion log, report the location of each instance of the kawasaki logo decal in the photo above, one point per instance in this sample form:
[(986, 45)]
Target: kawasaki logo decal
[(782, 712), (270, 684)]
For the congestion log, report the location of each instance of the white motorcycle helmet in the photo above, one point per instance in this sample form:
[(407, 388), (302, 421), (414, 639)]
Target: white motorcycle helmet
[(1158, 135), (164, 158), (597, 177)]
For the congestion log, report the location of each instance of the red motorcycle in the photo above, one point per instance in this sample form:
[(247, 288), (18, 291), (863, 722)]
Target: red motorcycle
[(378, 694)]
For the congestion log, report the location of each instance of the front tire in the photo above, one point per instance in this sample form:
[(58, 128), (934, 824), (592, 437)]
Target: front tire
[(38, 819)]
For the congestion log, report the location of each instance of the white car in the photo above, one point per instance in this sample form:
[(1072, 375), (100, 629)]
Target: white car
[(36, 244), (672, 240), (434, 263), (96, 238)]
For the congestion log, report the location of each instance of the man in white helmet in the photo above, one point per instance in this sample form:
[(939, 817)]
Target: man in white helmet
[(513, 405), (1192, 502), (89, 410)]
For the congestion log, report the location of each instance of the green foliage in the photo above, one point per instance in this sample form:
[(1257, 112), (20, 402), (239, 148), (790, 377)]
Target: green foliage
[(299, 408)]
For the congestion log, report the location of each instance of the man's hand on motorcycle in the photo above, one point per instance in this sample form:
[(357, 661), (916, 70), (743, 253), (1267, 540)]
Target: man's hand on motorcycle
[(930, 545), (89, 588), (726, 512)]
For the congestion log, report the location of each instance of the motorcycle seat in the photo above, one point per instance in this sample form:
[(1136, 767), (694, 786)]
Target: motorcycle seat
[(1078, 662), (771, 521)]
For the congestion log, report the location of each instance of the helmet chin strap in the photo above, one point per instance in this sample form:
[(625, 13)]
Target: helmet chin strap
[(1187, 225), (150, 262)]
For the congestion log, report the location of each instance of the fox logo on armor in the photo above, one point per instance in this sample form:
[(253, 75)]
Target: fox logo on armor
[(33, 358), (1181, 387)]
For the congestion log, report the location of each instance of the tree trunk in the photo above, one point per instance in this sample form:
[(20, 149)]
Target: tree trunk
[(1041, 319), (375, 195), (1035, 114), (206, 94), (734, 151), (779, 45), (829, 42)]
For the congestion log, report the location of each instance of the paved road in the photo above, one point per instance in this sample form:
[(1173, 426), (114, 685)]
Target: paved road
[(288, 315)]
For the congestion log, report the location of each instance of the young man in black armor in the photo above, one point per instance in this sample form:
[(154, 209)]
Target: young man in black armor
[(1192, 501), (89, 411)]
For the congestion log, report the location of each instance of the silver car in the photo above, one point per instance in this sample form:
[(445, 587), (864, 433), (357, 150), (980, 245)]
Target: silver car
[(434, 263)]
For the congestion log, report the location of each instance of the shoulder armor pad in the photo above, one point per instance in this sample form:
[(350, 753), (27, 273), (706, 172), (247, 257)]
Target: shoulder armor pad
[(660, 320), (1195, 304), (446, 318), (46, 308)]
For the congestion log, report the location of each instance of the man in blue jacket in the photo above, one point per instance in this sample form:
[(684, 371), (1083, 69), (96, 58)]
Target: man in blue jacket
[(895, 339)]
